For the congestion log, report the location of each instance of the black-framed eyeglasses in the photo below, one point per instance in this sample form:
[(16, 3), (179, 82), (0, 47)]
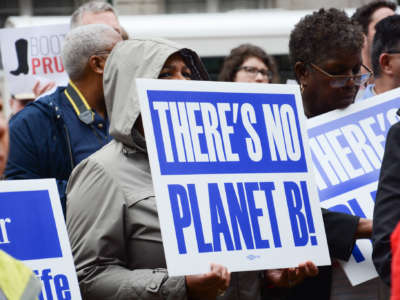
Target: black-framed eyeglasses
[(338, 81), (253, 71)]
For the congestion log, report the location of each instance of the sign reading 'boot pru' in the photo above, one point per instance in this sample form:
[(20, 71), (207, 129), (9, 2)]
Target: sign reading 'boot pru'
[(33, 54)]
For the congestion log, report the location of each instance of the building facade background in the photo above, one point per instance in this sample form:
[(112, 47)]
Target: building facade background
[(146, 7), (134, 7)]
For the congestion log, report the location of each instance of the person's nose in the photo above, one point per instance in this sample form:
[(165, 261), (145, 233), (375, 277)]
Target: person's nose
[(179, 76), (260, 77), (350, 82)]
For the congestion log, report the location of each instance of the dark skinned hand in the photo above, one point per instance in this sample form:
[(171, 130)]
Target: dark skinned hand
[(286, 278), (210, 285)]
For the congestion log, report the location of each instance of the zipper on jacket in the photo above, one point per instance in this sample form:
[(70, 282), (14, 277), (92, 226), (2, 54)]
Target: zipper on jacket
[(69, 147)]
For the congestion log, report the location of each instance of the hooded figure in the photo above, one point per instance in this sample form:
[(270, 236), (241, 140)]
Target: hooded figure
[(112, 218)]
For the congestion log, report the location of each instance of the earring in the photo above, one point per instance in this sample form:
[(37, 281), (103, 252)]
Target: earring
[(301, 88)]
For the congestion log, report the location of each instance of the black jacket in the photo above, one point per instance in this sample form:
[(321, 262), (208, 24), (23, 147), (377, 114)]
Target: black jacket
[(39, 143), (340, 230), (387, 204)]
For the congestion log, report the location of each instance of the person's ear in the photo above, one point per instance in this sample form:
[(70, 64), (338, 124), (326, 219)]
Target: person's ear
[(302, 73), (365, 41), (97, 63), (385, 64)]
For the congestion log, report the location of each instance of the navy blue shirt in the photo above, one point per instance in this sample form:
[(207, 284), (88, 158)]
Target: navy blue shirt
[(85, 139), (45, 132)]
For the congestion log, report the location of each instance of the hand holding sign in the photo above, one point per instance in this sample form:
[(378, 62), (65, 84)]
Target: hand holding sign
[(42, 87), (208, 286), (286, 278), (364, 229)]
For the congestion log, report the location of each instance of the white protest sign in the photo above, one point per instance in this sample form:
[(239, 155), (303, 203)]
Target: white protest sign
[(347, 148), (32, 229), (231, 174), (33, 54)]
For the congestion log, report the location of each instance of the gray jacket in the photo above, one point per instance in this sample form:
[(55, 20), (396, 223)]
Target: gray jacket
[(112, 218)]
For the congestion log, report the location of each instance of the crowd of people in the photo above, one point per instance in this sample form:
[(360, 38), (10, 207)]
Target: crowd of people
[(92, 142)]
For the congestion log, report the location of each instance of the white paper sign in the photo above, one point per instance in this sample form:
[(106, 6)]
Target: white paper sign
[(347, 148), (33, 54), (32, 229), (231, 175)]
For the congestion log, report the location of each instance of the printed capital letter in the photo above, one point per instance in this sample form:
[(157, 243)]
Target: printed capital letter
[(3, 230)]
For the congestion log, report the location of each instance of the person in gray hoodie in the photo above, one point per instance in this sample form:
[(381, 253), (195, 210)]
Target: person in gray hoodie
[(112, 217)]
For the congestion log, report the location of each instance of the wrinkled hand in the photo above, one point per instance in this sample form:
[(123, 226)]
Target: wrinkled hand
[(291, 276), (210, 285), (38, 90)]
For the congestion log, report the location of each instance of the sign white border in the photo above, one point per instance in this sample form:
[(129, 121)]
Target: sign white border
[(64, 264), (357, 273), (279, 257)]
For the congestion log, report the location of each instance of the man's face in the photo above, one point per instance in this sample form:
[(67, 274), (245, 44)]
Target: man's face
[(378, 15), (107, 18), (393, 63)]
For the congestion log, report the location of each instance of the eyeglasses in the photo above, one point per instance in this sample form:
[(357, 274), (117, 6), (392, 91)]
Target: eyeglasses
[(253, 71), (338, 81)]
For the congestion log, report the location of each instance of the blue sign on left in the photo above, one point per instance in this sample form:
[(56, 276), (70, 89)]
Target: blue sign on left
[(23, 234)]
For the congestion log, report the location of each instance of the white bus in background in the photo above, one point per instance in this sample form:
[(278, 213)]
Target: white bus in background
[(212, 35)]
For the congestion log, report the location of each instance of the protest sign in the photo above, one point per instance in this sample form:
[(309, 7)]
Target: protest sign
[(347, 148), (32, 229), (231, 175), (33, 54)]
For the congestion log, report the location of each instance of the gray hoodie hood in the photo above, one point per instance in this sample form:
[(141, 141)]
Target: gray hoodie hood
[(138, 58)]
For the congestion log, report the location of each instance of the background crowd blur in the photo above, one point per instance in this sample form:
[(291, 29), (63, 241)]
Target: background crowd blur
[(79, 122), (174, 19)]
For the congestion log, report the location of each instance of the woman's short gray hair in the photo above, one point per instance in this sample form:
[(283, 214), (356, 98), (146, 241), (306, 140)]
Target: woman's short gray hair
[(94, 7), (83, 42)]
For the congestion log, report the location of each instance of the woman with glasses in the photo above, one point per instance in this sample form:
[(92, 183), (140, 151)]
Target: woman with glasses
[(248, 63), (325, 50)]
